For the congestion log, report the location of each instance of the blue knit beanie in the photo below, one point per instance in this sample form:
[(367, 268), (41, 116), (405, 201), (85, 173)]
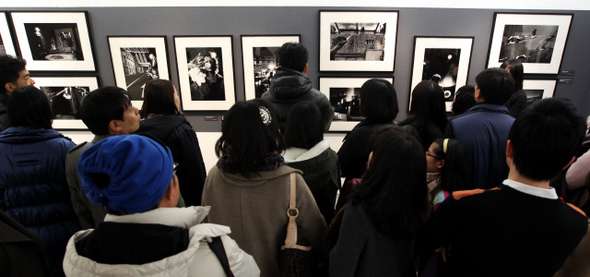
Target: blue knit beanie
[(139, 171)]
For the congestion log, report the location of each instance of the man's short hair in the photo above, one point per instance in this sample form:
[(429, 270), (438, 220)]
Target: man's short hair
[(545, 137), (292, 55), (103, 105), (10, 67), (496, 85)]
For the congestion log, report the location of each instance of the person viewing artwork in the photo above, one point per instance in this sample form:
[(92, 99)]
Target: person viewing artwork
[(464, 100), (523, 215), (249, 187), (13, 74), (427, 118), (379, 104), (290, 84), (144, 233), (377, 232), (518, 99), (206, 73), (33, 187), (162, 119), (106, 111), (483, 129), (445, 169), (308, 151)]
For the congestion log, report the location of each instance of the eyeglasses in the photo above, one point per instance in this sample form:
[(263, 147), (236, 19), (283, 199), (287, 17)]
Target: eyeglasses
[(432, 155)]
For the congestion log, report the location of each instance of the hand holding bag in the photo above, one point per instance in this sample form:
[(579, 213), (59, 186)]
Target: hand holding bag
[(294, 259)]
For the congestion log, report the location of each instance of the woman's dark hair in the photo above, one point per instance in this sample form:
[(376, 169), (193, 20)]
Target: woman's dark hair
[(304, 127), (517, 72), (246, 138), (380, 129), (158, 98), (28, 106), (428, 106), (453, 176), (379, 101), (393, 190), (464, 99)]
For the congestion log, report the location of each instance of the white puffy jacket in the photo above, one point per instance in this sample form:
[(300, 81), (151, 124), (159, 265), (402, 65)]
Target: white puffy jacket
[(196, 260)]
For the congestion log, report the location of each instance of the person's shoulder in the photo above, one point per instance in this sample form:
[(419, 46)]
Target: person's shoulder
[(474, 193), (78, 149)]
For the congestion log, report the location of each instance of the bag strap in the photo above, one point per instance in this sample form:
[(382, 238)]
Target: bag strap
[(216, 245), (293, 213)]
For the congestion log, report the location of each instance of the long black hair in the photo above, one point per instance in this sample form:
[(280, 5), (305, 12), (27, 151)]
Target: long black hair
[(516, 70), (159, 98), (248, 136), (379, 101), (454, 173), (428, 106), (393, 190)]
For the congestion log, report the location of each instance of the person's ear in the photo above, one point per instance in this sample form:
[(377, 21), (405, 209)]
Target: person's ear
[(9, 87), (305, 69), (441, 164), (171, 195), (114, 127), (509, 150)]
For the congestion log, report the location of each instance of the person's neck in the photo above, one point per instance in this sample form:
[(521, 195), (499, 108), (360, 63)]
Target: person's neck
[(516, 176)]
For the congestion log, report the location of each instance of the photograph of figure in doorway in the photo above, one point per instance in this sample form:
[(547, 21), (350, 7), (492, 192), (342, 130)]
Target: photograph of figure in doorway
[(346, 104), (206, 73), (528, 43), (357, 41), (54, 41), (140, 65), (441, 66), (65, 101), (265, 66)]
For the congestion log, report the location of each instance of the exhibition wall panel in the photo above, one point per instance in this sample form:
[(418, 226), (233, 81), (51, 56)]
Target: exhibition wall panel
[(237, 21)]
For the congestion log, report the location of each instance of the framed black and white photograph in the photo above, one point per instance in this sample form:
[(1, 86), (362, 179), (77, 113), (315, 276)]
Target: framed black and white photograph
[(537, 40), (344, 96), (357, 41), (260, 61), (538, 89), (136, 60), (444, 60), (6, 43), (205, 72), (54, 41), (65, 97)]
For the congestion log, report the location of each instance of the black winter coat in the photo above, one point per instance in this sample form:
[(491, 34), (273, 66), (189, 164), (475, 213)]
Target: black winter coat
[(178, 134), (288, 87)]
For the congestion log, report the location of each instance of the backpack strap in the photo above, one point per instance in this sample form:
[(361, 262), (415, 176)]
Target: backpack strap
[(216, 245)]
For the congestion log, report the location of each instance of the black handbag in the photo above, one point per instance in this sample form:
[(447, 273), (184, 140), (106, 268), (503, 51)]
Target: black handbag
[(294, 259)]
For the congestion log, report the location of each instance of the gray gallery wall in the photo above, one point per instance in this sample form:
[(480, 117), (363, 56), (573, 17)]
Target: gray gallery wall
[(236, 21)]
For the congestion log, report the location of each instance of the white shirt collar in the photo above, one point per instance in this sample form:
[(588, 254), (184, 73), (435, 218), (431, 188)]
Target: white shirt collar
[(534, 191)]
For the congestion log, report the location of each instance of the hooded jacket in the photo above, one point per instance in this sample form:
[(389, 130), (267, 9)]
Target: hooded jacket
[(320, 172), (288, 87), (33, 186), (126, 246), (178, 134)]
